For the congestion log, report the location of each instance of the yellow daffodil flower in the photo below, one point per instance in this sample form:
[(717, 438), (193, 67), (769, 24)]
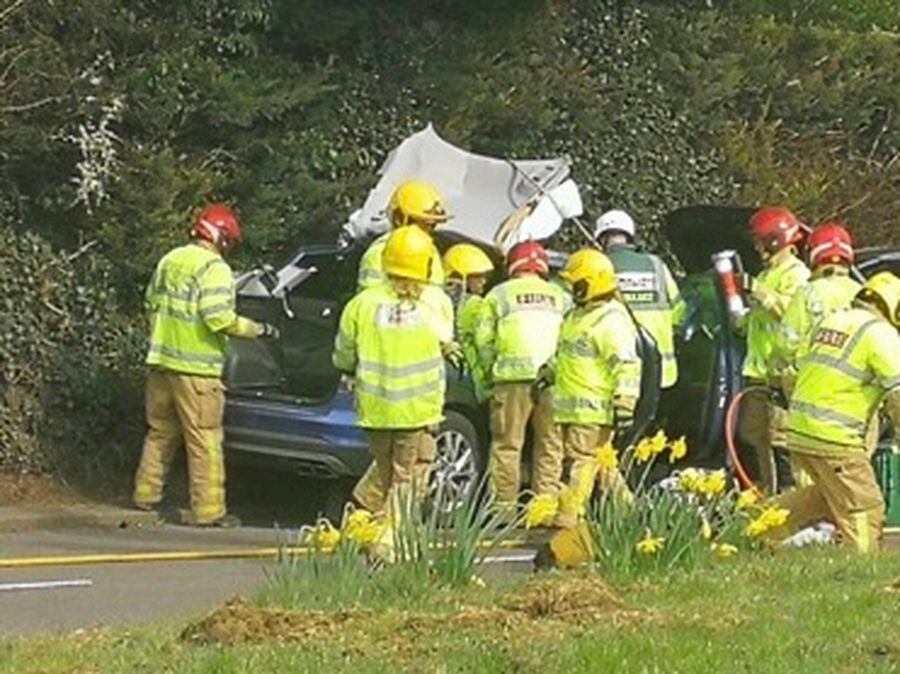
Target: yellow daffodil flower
[(643, 452), (689, 480), (706, 529), (361, 526), (771, 517), (658, 442), (607, 459), (677, 450), (650, 544), (712, 484), (541, 511), (747, 498)]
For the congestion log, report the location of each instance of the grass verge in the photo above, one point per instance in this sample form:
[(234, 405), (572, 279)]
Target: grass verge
[(798, 611)]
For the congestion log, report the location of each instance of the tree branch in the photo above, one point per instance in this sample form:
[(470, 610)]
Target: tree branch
[(31, 106), (9, 10)]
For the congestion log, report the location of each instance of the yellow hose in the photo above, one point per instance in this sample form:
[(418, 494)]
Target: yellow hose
[(184, 555)]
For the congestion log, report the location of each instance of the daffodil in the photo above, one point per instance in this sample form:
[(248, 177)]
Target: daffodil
[(706, 529), (324, 537), (747, 498), (771, 517), (541, 511), (658, 442), (643, 452), (607, 459), (689, 480), (361, 526), (712, 484), (650, 544), (723, 550), (677, 450)]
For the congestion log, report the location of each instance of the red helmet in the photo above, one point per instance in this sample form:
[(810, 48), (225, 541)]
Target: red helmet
[(829, 244), (775, 227), (528, 256), (218, 224)]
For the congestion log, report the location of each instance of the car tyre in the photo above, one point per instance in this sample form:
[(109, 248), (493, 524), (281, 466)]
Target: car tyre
[(459, 464)]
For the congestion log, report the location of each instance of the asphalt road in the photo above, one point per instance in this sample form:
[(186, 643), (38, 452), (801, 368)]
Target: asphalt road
[(139, 593)]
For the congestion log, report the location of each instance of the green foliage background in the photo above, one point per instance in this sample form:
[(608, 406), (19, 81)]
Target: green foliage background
[(287, 107)]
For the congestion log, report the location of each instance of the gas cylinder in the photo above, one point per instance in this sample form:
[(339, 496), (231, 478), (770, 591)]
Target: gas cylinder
[(729, 268)]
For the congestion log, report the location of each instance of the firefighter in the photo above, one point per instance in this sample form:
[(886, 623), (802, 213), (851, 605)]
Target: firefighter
[(775, 232), (646, 285), (388, 343), (830, 255), (597, 375), (467, 268), (414, 202), (191, 305), (853, 364), (517, 333)]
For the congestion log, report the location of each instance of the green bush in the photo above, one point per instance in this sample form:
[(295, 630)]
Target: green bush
[(69, 399)]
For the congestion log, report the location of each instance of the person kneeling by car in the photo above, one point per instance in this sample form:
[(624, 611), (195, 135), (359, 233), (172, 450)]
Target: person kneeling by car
[(852, 366), (393, 342)]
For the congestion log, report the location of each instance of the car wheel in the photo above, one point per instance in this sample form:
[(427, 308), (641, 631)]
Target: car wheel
[(458, 465)]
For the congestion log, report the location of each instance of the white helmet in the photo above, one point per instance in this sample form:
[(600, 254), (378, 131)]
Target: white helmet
[(614, 221)]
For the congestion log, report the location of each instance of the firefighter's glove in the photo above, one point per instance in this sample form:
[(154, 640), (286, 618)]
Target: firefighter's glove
[(544, 380), (269, 330), (453, 353), (347, 383), (764, 297)]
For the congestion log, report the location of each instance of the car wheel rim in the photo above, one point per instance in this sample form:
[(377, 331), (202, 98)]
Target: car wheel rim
[(455, 472)]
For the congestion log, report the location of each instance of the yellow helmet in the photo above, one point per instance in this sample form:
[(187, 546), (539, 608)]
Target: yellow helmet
[(884, 288), (408, 254), (591, 274), (464, 260), (416, 202)]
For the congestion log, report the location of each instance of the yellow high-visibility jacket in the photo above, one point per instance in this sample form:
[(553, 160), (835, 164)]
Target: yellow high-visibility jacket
[(776, 284), (519, 327), (597, 366), (854, 360), (391, 346), (191, 305)]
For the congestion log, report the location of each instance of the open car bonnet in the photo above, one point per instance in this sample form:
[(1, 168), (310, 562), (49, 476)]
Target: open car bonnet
[(494, 202)]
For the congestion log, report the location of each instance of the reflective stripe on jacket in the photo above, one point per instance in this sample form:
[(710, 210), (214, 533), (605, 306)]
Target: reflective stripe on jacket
[(821, 297), (371, 272), (783, 277), (854, 359), (391, 346), (519, 327), (649, 289), (191, 304), (596, 364)]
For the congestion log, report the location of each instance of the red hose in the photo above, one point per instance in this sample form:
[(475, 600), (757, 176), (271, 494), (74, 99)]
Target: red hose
[(730, 428)]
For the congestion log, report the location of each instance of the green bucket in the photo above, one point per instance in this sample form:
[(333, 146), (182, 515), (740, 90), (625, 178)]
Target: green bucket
[(887, 469)]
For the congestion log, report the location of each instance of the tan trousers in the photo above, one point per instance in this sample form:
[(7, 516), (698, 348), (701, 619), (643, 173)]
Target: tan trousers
[(760, 424), (581, 443), (511, 409), (844, 491), (403, 461), (184, 409)]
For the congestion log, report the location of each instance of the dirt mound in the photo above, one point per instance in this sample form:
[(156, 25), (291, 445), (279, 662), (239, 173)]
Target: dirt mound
[(541, 605), (33, 489), (240, 623), (571, 599)]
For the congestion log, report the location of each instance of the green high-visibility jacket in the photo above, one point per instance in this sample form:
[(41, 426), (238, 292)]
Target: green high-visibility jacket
[(854, 360), (829, 290), (597, 366), (392, 347), (372, 273), (519, 327), (467, 319), (191, 305), (650, 291), (777, 283)]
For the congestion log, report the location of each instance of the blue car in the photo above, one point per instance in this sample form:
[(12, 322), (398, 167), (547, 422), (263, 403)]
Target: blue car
[(286, 409)]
